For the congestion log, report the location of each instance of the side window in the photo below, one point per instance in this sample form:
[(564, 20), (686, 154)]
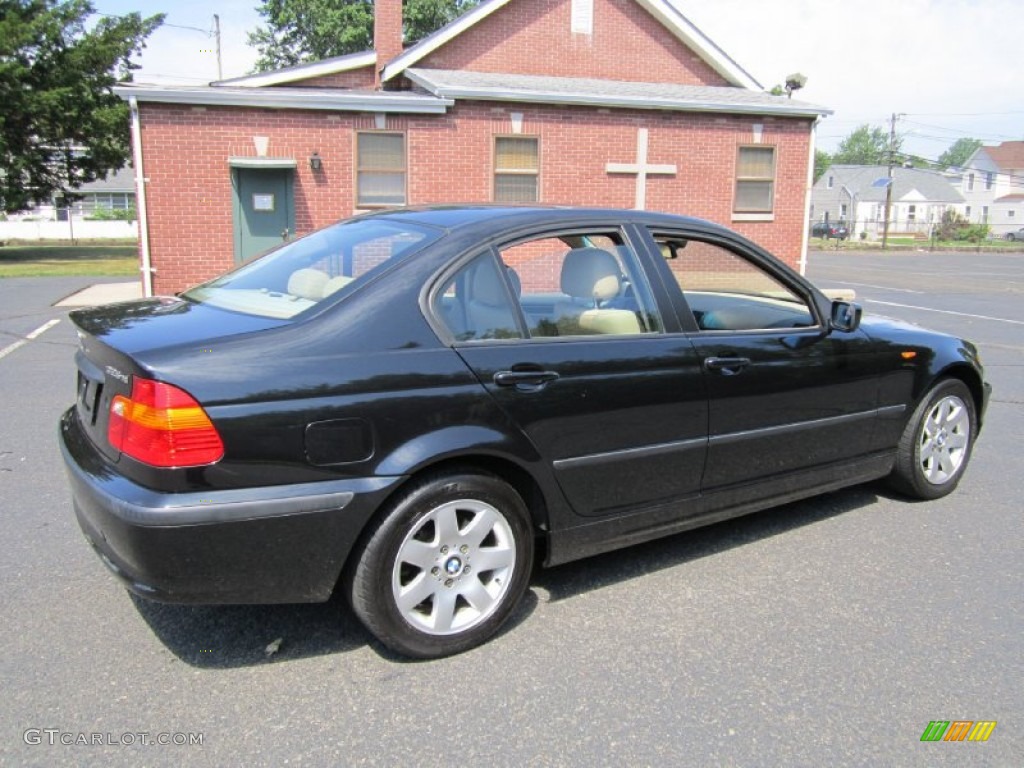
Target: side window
[(581, 284), (474, 303), (726, 292)]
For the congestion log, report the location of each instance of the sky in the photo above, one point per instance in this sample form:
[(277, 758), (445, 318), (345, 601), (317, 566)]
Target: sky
[(949, 68)]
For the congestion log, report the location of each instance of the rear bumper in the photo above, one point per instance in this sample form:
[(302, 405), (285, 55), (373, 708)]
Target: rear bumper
[(275, 544)]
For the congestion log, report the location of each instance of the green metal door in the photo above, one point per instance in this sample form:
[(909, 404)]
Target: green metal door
[(264, 209)]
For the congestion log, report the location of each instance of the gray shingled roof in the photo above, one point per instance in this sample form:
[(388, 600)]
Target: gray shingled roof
[(121, 180), (491, 86), (932, 185)]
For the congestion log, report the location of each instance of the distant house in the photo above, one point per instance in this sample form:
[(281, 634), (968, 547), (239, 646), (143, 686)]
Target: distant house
[(993, 187), (91, 200), (622, 103), (856, 195)]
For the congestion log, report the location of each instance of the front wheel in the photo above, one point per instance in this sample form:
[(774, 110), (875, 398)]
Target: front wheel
[(936, 444), (445, 567)]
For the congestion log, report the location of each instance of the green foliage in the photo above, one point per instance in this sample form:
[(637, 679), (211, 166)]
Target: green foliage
[(298, 31), (113, 214), (865, 146), (60, 123), (973, 233), (958, 153), (953, 227), (822, 161)]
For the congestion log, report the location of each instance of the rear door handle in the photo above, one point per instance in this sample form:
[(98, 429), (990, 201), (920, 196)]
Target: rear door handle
[(727, 366), (525, 381)]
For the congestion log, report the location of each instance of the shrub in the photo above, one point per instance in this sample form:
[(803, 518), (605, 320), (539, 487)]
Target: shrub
[(110, 214), (954, 227)]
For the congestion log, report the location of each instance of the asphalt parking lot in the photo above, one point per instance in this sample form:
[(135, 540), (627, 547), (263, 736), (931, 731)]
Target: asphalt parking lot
[(829, 632)]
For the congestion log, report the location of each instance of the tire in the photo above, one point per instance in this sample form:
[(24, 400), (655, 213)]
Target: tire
[(1011, 237), (936, 445), (445, 567)]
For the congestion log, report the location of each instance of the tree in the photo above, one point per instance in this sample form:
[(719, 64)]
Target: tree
[(310, 30), (822, 160), (865, 146), (61, 124), (959, 153)]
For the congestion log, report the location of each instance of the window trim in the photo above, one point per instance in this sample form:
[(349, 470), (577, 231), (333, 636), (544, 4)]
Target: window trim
[(519, 172), (748, 214), (358, 205)]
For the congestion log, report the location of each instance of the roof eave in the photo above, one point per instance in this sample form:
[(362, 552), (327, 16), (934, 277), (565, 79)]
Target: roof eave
[(316, 99), (621, 102), (303, 71), (696, 40)]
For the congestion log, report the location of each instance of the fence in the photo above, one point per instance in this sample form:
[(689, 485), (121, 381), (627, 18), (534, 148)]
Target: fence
[(68, 230)]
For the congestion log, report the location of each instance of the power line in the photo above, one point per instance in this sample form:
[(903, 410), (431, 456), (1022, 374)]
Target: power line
[(207, 32)]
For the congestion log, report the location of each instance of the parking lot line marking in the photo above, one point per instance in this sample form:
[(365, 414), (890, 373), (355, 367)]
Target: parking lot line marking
[(34, 335), (883, 287), (946, 312)]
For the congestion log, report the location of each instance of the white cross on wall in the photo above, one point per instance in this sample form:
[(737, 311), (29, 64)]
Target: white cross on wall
[(641, 168)]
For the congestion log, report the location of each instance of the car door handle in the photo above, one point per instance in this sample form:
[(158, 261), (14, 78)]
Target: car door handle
[(727, 366), (524, 381)]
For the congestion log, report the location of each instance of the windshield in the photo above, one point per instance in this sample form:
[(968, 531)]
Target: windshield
[(300, 274)]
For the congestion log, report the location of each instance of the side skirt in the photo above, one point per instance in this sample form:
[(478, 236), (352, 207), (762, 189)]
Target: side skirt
[(685, 514)]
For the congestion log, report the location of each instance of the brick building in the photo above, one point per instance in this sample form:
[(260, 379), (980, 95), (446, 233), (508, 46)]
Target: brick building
[(621, 103)]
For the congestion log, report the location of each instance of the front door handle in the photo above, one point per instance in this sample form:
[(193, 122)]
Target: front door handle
[(727, 366), (525, 381)]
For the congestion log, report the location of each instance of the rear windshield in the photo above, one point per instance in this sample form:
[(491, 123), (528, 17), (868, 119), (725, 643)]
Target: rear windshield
[(299, 275)]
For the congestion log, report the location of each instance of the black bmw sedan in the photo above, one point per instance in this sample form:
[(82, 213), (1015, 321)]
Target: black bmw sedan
[(414, 406)]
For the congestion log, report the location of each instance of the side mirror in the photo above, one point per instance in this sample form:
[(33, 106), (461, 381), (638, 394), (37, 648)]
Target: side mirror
[(845, 316)]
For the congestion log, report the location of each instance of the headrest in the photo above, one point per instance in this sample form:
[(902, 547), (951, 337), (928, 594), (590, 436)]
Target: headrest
[(487, 287), (308, 283), (590, 273)]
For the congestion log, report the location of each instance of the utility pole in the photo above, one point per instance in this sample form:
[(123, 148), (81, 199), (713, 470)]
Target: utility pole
[(216, 28), (888, 187)]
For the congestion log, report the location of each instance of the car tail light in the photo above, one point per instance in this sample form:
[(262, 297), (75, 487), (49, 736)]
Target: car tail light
[(163, 426)]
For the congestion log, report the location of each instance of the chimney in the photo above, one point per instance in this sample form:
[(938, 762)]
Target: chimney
[(387, 32)]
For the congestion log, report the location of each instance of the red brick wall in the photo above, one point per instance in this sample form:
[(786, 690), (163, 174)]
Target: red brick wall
[(363, 79), (186, 153), (533, 37)]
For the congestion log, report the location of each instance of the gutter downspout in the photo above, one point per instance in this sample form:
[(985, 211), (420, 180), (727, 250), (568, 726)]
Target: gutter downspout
[(804, 238), (140, 190)]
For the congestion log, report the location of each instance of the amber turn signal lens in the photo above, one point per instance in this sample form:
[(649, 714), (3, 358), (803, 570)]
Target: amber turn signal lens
[(163, 426)]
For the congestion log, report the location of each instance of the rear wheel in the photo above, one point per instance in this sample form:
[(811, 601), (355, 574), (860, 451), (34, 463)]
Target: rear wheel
[(936, 444), (445, 567)]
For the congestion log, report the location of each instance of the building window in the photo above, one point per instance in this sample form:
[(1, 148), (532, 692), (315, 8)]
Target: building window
[(755, 180), (984, 214), (842, 210), (967, 212), (380, 170), (516, 169), (1011, 214), (831, 182), (911, 213), (989, 179), (970, 182)]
